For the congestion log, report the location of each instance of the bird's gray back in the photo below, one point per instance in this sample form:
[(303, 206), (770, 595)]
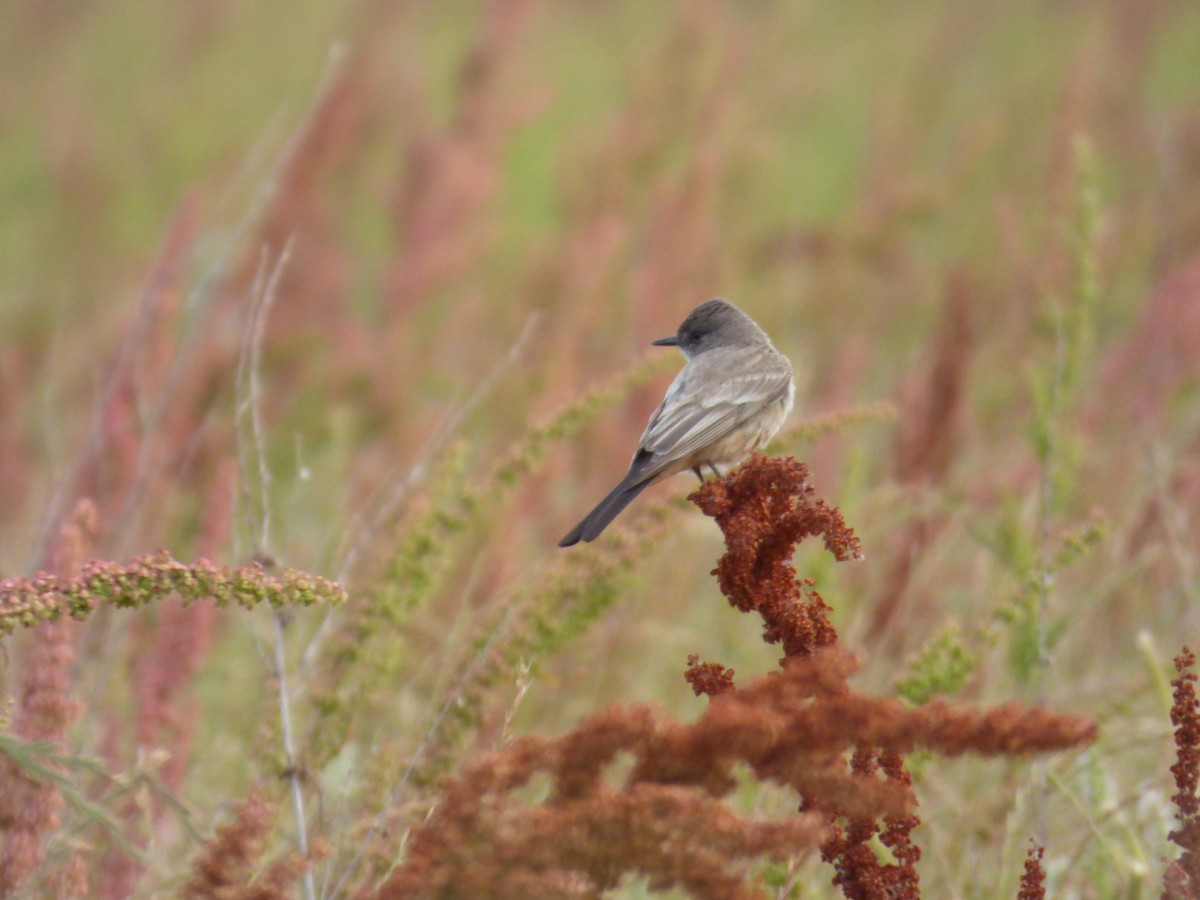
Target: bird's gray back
[(715, 393)]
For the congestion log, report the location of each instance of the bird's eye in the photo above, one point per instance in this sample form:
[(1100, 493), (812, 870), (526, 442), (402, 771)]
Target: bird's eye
[(694, 337)]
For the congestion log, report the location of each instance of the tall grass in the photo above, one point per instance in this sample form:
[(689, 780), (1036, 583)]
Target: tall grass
[(351, 303)]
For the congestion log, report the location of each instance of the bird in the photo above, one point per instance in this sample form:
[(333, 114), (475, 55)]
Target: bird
[(729, 399)]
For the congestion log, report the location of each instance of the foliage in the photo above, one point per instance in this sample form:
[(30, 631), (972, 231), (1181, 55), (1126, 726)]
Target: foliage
[(364, 325)]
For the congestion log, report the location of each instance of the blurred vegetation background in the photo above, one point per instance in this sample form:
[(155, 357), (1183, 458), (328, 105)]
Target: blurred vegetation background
[(366, 289)]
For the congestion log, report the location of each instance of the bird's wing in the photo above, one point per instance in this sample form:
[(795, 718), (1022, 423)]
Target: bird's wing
[(692, 415)]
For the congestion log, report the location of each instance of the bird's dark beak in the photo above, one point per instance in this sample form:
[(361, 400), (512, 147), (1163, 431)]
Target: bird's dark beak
[(672, 341)]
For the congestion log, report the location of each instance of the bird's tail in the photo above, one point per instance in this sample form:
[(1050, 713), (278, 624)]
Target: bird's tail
[(606, 510)]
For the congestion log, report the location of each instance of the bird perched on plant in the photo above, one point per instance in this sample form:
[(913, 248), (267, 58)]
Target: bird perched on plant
[(727, 401)]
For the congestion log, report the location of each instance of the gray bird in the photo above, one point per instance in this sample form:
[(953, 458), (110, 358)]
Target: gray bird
[(728, 400)]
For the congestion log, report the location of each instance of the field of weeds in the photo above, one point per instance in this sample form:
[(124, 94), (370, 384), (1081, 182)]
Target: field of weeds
[(321, 322)]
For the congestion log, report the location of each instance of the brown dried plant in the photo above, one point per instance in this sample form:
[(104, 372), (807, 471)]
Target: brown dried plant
[(230, 865), (452, 173), (172, 644), (765, 509), (927, 441), (29, 809), (665, 820), (1033, 878), (1182, 878), (174, 652)]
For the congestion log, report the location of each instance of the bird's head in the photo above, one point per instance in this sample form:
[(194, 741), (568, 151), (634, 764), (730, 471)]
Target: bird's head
[(714, 323)]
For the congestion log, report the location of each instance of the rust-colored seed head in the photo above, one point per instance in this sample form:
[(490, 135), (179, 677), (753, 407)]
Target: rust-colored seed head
[(765, 509)]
